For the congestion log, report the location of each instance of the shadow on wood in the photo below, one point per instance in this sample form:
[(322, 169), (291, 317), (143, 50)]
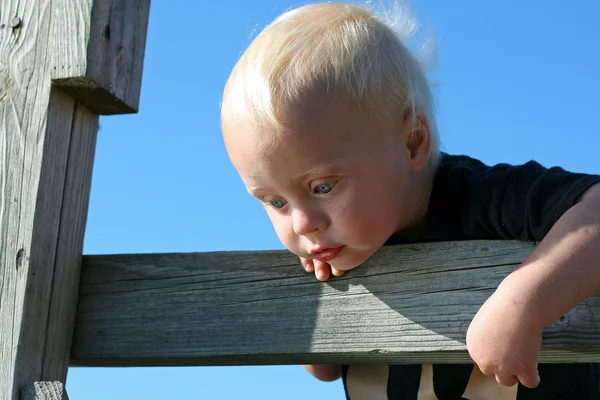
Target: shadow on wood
[(407, 304)]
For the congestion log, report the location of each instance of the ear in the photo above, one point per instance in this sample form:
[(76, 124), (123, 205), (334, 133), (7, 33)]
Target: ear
[(416, 138)]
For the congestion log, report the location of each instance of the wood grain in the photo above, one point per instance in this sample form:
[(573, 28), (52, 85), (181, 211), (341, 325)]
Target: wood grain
[(69, 246), (408, 303), (47, 141), (44, 391), (33, 157), (103, 70)]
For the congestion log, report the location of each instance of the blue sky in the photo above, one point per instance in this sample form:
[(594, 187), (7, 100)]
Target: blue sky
[(515, 81)]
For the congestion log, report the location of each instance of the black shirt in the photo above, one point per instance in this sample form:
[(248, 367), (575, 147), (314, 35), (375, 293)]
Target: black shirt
[(470, 201)]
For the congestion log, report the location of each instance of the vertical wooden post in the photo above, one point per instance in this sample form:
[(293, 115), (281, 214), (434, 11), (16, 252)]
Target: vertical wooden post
[(62, 63)]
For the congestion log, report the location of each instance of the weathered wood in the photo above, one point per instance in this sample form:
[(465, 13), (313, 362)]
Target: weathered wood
[(103, 67), (409, 303), (69, 247), (33, 157), (46, 154), (44, 391)]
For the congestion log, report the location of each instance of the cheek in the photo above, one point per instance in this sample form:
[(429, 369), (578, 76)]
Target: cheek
[(283, 228), (371, 214)]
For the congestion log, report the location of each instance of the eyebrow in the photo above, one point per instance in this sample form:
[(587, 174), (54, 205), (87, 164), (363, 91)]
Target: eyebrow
[(316, 171), (320, 170)]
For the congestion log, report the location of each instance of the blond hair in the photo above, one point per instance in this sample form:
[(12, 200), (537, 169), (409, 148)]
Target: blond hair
[(339, 46)]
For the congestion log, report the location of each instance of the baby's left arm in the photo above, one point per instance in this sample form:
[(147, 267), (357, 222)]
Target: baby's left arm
[(505, 336)]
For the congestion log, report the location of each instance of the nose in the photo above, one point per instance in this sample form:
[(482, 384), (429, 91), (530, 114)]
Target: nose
[(306, 221)]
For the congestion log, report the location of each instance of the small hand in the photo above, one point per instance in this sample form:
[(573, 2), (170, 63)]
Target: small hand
[(321, 269), (505, 343)]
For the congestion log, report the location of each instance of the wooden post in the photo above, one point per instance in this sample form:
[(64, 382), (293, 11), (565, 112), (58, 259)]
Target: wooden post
[(44, 391), (62, 63)]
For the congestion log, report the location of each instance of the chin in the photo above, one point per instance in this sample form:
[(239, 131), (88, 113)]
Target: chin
[(343, 266), (348, 263)]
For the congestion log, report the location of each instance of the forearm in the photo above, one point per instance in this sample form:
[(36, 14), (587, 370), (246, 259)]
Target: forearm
[(564, 269)]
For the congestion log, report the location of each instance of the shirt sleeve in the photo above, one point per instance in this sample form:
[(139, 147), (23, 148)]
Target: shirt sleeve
[(519, 202)]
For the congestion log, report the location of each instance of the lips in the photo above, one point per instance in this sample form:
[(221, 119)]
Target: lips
[(327, 255)]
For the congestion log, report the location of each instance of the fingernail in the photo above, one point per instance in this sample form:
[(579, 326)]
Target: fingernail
[(320, 275)]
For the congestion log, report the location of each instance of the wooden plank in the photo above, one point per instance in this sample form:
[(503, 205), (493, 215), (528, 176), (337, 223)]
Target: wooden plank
[(46, 154), (408, 303), (112, 37), (44, 391), (32, 165), (65, 284)]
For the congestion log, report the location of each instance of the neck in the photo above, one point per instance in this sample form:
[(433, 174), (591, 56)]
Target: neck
[(421, 187)]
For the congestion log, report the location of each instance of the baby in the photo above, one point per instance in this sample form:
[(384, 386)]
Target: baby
[(329, 121)]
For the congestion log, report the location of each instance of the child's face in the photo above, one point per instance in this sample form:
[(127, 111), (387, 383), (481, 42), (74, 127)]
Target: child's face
[(335, 181)]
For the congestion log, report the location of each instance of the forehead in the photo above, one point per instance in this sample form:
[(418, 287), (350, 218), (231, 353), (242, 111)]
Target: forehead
[(296, 153), (319, 132), (318, 114)]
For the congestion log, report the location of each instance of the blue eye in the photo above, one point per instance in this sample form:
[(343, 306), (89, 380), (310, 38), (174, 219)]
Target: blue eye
[(325, 188), (277, 203)]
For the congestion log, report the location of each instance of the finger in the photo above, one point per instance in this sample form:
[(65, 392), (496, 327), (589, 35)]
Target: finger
[(530, 380), (337, 272), (486, 371), (307, 264), (508, 380), (322, 270)]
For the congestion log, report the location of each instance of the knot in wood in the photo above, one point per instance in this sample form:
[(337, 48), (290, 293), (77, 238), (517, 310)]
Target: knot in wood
[(19, 260), (378, 351), (6, 82)]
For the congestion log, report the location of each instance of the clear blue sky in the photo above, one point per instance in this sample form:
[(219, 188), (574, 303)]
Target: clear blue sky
[(517, 80)]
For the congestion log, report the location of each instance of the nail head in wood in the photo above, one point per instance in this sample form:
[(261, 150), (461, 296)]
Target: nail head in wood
[(15, 22)]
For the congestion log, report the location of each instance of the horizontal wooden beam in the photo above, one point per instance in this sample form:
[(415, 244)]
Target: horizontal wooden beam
[(408, 303)]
